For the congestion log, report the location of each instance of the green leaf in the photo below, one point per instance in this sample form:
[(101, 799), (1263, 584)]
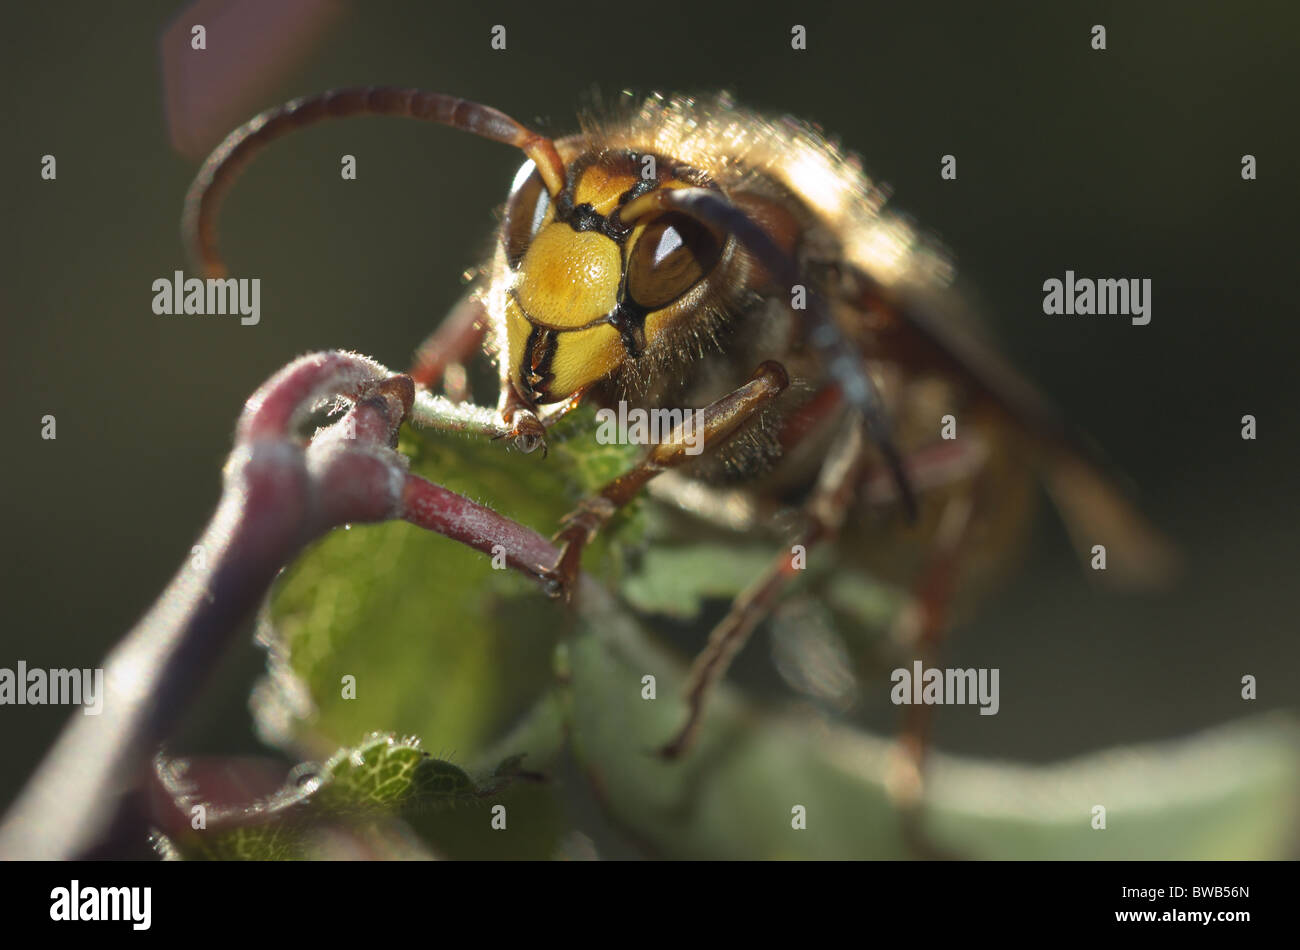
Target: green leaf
[(1222, 794), (392, 629), (355, 794), (438, 643)]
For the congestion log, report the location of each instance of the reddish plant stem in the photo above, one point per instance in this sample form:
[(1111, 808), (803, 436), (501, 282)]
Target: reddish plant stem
[(436, 509)]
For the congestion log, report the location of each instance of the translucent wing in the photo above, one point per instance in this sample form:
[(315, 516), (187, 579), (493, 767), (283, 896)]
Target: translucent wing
[(931, 328)]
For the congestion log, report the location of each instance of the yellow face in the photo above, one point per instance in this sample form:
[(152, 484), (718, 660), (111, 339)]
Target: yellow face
[(589, 292)]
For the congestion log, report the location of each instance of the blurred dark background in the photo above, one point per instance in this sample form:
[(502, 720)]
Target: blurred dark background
[(1117, 163)]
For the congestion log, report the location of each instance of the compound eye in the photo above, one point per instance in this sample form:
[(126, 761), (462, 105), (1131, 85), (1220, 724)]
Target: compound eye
[(525, 212), (671, 256)]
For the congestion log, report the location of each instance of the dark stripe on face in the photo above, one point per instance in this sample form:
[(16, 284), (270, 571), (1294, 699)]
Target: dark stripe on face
[(538, 352), (628, 319)]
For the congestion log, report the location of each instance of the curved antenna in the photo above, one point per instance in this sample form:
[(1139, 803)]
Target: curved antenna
[(838, 353), (198, 223)]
